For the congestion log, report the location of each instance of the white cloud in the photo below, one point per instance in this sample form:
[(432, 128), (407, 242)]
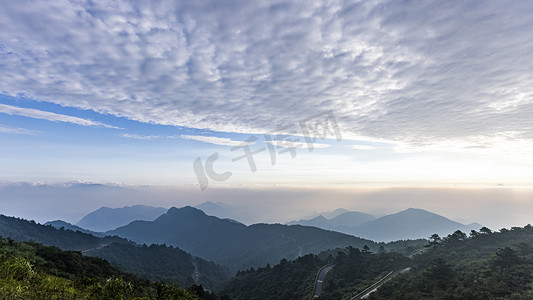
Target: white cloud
[(147, 137), (140, 137), (295, 144), (16, 130), (50, 116), (363, 147), (213, 140), (413, 73)]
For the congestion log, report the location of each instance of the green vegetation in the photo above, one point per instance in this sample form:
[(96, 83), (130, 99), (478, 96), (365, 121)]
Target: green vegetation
[(156, 263), (23, 230), (357, 269), (289, 280), (483, 265), (29, 270), (292, 280), (479, 265), (162, 263)]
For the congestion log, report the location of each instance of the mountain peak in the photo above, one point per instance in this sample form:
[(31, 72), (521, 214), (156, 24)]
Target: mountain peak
[(319, 218), (412, 210), (106, 218), (185, 209)]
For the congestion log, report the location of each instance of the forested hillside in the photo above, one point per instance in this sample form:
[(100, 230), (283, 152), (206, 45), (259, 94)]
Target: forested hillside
[(483, 265), (168, 264), (480, 265), (287, 280), (29, 270), (292, 280), (23, 230), (163, 263)]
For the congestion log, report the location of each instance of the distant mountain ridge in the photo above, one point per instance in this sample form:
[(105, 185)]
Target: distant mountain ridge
[(105, 218), (341, 222), (411, 223), (58, 224), (233, 244)]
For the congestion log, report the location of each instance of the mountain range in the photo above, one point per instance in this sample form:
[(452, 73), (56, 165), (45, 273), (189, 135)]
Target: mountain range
[(232, 244), (342, 222), (106, 218), (408, 224), (411, 223), (226, 242)]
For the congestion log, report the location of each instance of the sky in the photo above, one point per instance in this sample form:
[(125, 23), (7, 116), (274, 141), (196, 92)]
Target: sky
[(255, 94)]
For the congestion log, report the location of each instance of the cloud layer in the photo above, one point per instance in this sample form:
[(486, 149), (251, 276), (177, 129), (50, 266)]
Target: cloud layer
[(418, 73)]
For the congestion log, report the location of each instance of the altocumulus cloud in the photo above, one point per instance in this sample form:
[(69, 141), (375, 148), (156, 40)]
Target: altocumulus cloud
[(417, 73)]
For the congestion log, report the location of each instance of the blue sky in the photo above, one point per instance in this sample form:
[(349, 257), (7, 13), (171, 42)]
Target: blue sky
[(429, 93)]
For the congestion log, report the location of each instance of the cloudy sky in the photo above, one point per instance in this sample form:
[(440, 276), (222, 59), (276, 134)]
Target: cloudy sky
[(391, 93)]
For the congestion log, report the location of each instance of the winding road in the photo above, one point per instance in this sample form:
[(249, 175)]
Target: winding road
[(319, 282)]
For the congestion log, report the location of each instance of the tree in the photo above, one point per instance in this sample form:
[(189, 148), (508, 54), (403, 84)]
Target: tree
[(117, 288), (485, 230), (441, 274), (434, 240), (506, 258), (455, 237)]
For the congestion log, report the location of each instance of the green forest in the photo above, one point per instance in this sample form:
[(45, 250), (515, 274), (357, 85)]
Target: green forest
[(479, 265), (29, 270), (155, 262)]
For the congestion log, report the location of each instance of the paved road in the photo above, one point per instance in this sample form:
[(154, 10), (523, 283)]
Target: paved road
[(364, 294), (320, 278)]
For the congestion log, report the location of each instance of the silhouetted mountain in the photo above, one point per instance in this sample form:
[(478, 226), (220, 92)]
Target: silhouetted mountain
[(156, 263), (66, 225), (334, 213), (343, 222), (410, 224), (320, 222), (105, 218), (233, 244), (351, 219)]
